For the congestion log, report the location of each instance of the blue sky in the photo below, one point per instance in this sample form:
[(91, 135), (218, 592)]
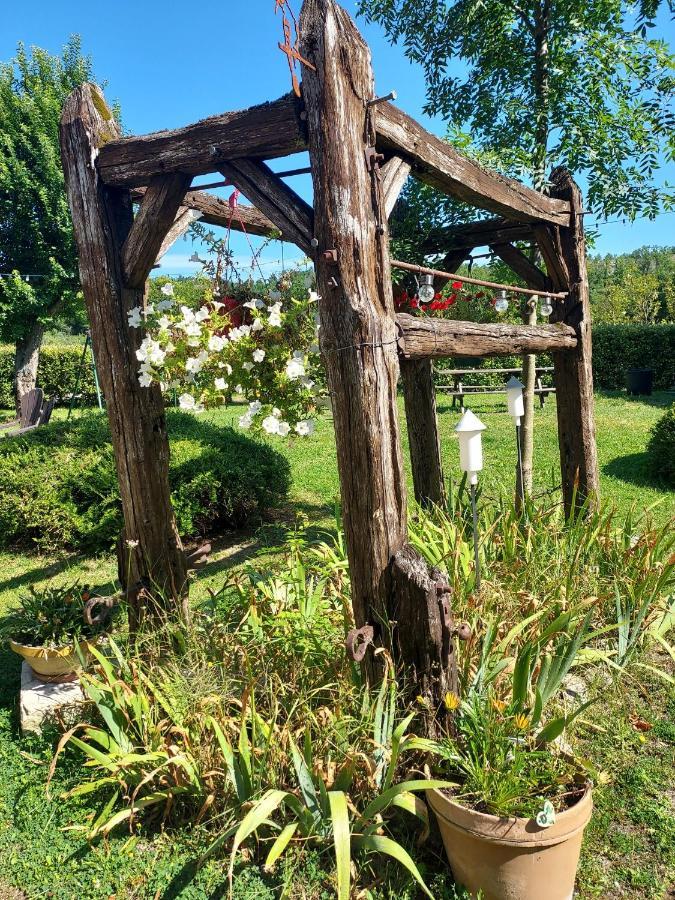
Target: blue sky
[(169, 65)]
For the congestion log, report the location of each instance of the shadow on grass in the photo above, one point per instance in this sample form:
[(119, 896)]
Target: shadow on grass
[(659, 399), (47, 571), (635, 469)]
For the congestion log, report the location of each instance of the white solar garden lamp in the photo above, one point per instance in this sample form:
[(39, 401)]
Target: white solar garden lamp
[(516, 405), (469, 430)]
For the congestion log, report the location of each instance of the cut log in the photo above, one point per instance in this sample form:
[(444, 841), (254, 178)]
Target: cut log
[(266, 131), (437, 163), (573, 373), (275, 199), (155, 217), (394, 173), (429, 338), (150, 550)]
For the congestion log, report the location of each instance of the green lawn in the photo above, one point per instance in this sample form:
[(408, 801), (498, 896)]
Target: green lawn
[(630, 847)]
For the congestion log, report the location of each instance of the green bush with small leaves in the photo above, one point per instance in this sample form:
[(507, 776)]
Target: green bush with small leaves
[(58, 485), (57, 372), (661, 447)]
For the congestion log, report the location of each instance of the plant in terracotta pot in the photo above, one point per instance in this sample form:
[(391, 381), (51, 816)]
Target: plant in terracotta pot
[(513, 827), (53, 629)]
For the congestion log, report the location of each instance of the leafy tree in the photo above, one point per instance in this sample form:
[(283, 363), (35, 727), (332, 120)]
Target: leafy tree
[(37, 253), (545, 83), (633, 287)]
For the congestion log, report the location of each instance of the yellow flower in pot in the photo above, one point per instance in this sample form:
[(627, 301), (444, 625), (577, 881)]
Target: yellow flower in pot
[(54, 628), (513, 829)]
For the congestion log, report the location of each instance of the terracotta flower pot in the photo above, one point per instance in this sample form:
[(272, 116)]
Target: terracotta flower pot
[(57, 665), (514, 858)]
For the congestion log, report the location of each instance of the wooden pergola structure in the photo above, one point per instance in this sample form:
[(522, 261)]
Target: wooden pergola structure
[(361, 153)]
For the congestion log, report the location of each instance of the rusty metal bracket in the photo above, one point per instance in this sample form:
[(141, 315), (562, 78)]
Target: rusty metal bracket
[(358, 640), (373, 158), (106, 605), (330, 255)]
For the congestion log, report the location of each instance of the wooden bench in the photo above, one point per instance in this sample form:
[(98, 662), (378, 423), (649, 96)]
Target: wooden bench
[(458, 390)]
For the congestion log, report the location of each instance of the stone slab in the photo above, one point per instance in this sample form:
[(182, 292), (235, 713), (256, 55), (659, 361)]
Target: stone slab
[(39, 702)]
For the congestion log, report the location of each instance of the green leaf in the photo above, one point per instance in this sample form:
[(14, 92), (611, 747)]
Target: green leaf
[(254, 818), (279, 845), (377, 843), (341, 839), (383, 800)]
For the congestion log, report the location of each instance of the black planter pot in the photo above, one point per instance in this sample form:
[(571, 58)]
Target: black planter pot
[(640, 381)]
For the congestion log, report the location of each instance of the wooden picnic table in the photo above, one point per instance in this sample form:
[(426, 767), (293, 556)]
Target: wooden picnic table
[(458, 390)]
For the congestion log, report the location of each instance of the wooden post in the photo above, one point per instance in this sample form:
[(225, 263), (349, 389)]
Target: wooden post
[(358, 328), (573, 374), (419, 396), (151, 559)]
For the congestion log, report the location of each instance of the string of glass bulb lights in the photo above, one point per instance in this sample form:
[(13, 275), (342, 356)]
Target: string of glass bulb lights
[(426, 292)]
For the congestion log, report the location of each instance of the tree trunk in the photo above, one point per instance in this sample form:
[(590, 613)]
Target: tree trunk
[(26, 359), (152, 564)]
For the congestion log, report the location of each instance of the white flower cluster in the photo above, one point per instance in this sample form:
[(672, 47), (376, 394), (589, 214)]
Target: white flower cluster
[(207, 353)]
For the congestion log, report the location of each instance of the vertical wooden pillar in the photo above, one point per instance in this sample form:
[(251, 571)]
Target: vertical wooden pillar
[(419, 395), (573, 373), (359, 342), (151, 555)]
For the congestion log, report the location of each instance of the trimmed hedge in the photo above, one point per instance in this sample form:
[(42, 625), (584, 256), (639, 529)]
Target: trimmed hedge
[(57, 372), (58, 486), (661, 448)]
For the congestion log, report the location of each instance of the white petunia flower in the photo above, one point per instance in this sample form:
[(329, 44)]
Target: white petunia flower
[(254, 304), (216, 343), (187, 401), (221, 384), (307, 382), (314, 297), (274, 320), (164, 323), (163, 305), (271, 424), (257, 325), (283, 429), (228, 368), (245, 421), (145, 379), (202, 314), (258, 355), (295, 369), (254, 407), (167, 289), (194, 365), (305, 427), (247, 366)]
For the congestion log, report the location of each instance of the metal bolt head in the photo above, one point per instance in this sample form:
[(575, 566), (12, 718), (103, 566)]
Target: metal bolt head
[(464, 631)]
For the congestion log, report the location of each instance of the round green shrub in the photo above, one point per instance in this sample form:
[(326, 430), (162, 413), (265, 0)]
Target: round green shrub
[(58, 485), (661, 447)]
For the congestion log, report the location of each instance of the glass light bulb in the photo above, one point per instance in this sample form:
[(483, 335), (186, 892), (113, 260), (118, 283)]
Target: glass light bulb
[(501, 303), (427, 293), (545, 308)]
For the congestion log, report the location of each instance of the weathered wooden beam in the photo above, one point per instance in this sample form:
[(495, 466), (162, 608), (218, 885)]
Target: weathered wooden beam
[(275, 199), (155, 217), (266, 131), (437, 163), (522, 265), (573, 372), (548, 241), (426, 337), (153, 561), (394, 174), (184, 218), (475, 234), (419, 396)]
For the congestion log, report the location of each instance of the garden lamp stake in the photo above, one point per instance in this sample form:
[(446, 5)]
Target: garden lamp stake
[(469, 430), (516, 405)]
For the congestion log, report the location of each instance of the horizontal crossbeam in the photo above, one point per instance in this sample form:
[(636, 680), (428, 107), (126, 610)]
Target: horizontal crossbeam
[(430, 338), (438, 164), (266, 131), (475, 234), (216, 211)]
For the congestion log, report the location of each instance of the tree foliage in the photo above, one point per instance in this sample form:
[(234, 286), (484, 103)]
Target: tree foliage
[(549, 82), (36, 240)]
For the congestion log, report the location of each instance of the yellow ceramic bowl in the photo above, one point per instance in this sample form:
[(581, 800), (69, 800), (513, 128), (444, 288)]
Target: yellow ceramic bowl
[(56, 664)]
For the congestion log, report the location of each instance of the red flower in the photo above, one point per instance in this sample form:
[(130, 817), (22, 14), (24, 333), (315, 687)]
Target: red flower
[(436, 305), (452, 299), (414, 303), (437, 297), (456, 285)]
